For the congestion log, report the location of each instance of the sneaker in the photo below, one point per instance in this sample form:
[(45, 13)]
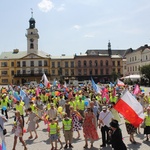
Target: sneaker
[(66, 146), (70, 146)]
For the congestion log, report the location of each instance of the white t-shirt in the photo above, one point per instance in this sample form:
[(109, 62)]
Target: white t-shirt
[(106, 120)]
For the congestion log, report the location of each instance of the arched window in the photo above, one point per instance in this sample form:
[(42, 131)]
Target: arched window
[(84, 62), (106, 62), (101, 62), (90, 63), (96, 64), (31, 46), (79, 63)]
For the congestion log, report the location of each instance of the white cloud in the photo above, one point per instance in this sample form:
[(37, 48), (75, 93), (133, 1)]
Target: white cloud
[(45, 5), (61, 8), (89, 36), (77, 27)]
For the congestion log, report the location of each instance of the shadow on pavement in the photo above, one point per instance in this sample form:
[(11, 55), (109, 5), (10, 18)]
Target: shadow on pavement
[(134, 146)]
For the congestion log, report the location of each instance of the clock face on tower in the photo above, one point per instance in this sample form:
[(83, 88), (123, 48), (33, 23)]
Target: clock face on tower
[(31, 40)]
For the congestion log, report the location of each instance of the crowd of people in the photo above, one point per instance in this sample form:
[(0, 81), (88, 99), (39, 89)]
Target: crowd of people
[(71, 109)]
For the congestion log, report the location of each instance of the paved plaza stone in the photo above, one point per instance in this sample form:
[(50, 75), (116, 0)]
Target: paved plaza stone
[(43, 142)]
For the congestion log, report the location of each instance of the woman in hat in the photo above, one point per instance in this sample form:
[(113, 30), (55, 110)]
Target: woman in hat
[(116, 136)]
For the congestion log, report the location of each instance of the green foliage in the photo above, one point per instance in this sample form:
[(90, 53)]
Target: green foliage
[(145, 70), (114, 76)]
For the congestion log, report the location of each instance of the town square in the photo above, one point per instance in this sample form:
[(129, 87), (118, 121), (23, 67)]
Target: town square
[(75, 75)]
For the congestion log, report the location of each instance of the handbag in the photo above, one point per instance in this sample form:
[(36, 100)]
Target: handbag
[(143, 124), (4, 130)]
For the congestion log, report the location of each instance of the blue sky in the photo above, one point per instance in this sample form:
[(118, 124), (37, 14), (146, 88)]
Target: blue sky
[(73, 26)]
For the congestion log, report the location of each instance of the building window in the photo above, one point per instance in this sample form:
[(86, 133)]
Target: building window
[(146, 57), (135, 58), (32, 71), (12, 72), (72, 64), (113, 63), (125, 67), (130, 59), (106, 62), (60, 71), (72, 72), (118, 71), (130, 68), (102, 72), (79, 72), (96, 63), (53, 72), (32, 63), (107, 71), (18, 71), (114, 70), (53, 64), (79, 63), (3, 64), (4, 73), (139, 68), (118, 62), (23, 71), (90, 72), (40, 63), (40, 71), (101, 62), (85, 71), (4, 80), (23, 64), (45, 63), (12, 64), (66, 64), (45, 71), (90, 63), (66, 72), (96, 71), (84, 63), (58, 64), (133, 68), (31, 46), (18, 63)]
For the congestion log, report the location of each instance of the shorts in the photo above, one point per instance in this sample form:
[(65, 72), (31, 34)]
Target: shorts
[(53, 137), (68, 135)]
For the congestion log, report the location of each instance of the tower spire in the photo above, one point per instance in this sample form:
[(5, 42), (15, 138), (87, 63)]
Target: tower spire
[(31, 12)]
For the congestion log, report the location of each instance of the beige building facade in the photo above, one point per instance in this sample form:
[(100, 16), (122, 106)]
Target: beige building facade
[(137, 58)]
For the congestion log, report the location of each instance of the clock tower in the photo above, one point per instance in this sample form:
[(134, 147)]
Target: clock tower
[(32, 37)]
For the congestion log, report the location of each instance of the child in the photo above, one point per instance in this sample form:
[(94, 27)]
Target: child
[(53, 133), (58, 129)]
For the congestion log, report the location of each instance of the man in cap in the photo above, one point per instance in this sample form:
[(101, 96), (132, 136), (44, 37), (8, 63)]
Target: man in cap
[(105, 117)]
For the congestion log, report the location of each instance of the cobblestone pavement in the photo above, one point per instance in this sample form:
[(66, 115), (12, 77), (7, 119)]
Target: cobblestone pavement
[(43, 143)]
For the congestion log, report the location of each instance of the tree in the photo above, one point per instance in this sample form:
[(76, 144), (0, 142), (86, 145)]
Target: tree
[(114, 76), (145, 70)]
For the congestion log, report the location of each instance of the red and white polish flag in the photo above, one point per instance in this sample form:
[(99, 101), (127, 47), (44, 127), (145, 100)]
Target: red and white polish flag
[(120, 83), (130, 108)]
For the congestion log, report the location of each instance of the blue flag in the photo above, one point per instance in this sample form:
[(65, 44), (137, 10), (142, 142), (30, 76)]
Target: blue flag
[(3, 146), (93, 85), (22, 94), (16, 96)]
